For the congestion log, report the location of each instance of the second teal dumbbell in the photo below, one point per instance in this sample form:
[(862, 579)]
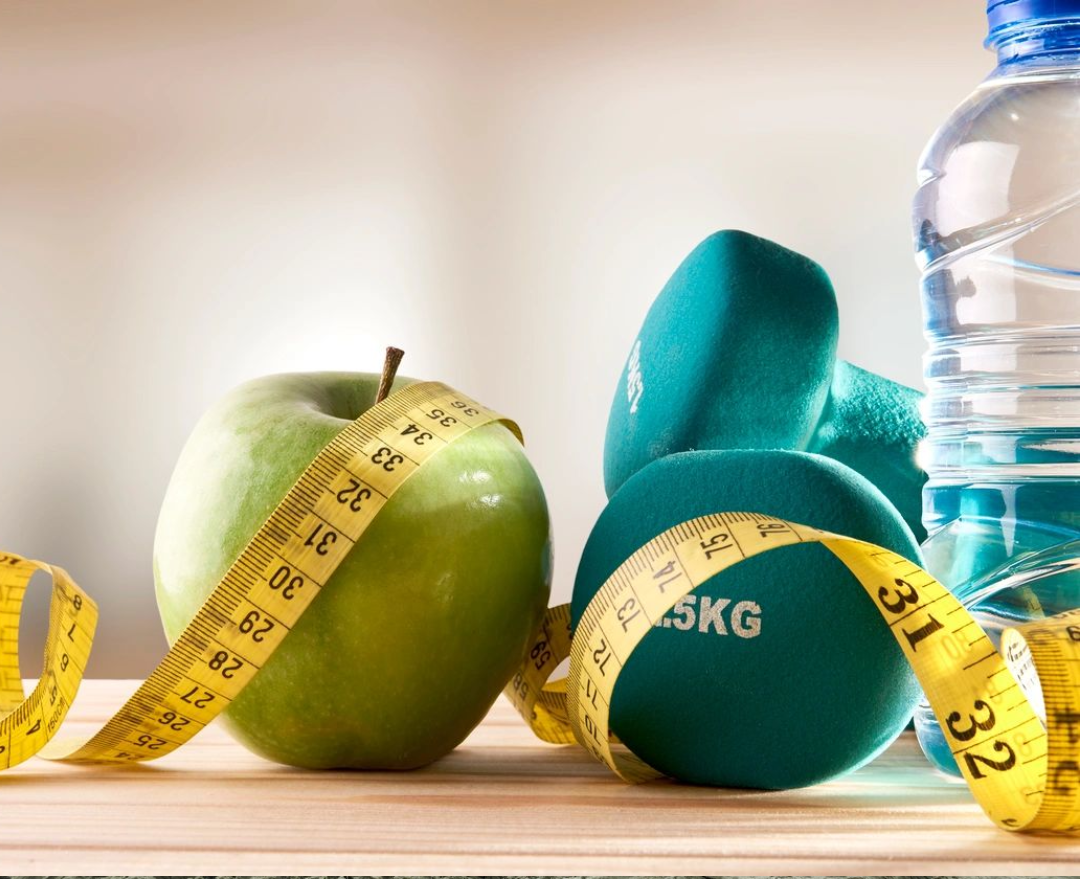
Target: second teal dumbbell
[(739, 352)]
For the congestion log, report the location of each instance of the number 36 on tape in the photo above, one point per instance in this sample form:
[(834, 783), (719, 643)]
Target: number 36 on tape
[(1024, 774), (249, 612)]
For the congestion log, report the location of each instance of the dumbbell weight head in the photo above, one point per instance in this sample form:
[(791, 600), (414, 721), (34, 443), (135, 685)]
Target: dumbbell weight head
[(778, 672), (739, 352)]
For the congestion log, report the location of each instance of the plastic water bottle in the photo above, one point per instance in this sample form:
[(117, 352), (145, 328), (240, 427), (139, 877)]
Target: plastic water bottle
[(997, 236)]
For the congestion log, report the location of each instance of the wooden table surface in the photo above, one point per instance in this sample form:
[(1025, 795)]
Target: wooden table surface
[(503, 803)]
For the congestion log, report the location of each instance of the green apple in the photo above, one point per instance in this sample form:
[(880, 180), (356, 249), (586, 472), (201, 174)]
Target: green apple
[(416, 633)]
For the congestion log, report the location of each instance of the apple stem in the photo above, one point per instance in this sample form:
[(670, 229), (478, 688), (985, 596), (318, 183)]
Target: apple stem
[(389, 370)]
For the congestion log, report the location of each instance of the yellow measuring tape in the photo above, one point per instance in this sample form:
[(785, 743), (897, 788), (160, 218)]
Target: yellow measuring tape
[(1025, 776), (250, 611)]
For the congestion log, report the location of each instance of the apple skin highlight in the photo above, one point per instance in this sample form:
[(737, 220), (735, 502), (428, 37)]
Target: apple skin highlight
[(414, 636)]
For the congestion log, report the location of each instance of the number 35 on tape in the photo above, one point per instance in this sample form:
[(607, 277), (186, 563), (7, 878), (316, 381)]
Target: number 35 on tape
[(1023, 773)]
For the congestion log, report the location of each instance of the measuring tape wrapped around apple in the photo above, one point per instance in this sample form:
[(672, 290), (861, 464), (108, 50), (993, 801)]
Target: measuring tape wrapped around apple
[(257, 602), (1025, 774)]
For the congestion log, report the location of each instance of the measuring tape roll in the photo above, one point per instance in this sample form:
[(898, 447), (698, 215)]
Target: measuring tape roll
[(220, 651), (1024, 775)]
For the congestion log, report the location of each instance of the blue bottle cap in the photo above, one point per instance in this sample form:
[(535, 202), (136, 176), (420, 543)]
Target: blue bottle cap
[(1005, 15)]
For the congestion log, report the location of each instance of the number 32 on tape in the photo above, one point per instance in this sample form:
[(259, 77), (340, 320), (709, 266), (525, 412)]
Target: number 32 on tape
[(1023, 773)]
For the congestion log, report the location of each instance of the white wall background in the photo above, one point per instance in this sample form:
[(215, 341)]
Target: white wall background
[(498, 187)]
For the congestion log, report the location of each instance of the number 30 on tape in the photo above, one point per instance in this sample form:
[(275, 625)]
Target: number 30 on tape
[(976, 697), (222, 648)]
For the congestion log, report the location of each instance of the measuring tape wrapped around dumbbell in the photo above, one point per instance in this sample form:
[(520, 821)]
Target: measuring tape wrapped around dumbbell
[(1024, 774)]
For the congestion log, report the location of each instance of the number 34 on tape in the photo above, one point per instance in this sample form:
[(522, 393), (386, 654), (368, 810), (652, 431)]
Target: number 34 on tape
[(1024, 773)]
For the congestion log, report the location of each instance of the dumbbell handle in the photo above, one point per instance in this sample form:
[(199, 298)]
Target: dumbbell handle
[(872, 424)]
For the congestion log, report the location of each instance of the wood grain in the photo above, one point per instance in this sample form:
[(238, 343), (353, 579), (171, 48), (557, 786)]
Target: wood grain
[(503, 803)]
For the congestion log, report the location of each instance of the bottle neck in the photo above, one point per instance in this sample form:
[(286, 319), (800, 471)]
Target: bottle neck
[(1053, 44)]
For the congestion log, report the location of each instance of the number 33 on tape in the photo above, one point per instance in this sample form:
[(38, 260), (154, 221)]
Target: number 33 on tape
[(1023, 773)]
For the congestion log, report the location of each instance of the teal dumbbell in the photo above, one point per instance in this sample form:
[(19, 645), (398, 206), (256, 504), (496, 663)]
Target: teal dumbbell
[(778, 672), (739, 352)]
